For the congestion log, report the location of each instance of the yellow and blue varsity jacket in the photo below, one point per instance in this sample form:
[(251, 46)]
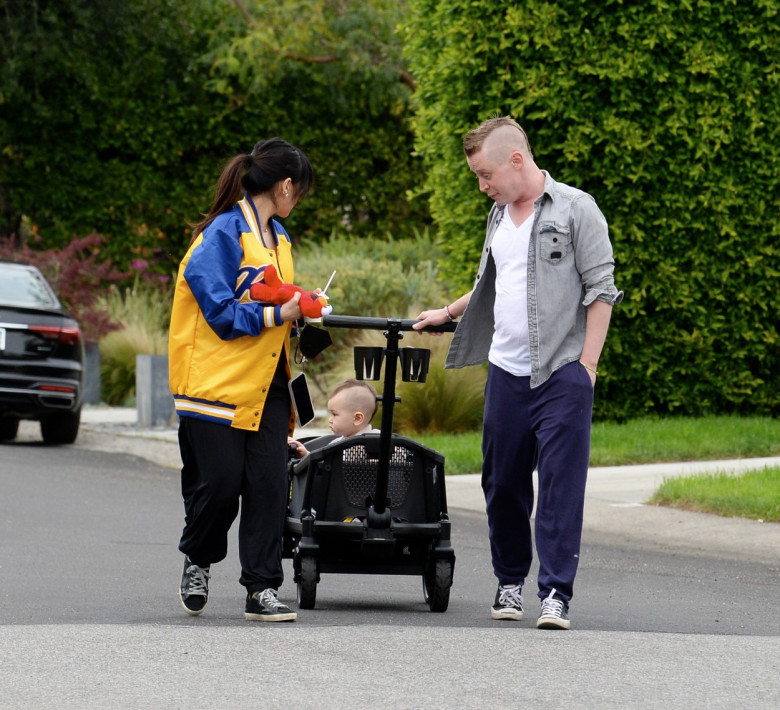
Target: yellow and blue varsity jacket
[(223, 348)]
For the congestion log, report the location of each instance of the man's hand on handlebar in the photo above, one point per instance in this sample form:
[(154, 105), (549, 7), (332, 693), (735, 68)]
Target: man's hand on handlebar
[(437, 316)]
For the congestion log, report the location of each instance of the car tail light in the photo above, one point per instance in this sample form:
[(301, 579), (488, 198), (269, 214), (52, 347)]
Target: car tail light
[(66, 334), (56, 388)]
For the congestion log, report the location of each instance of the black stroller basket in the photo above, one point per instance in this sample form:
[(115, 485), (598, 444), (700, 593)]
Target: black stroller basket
[(374, 503)]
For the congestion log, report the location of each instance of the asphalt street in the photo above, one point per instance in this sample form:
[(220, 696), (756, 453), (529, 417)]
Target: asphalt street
[(675, 609)]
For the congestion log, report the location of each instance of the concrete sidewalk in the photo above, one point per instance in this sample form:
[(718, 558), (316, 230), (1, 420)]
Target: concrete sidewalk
[(615, 505)]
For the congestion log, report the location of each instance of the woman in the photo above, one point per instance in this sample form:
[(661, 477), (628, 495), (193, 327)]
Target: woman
[(228, 374)]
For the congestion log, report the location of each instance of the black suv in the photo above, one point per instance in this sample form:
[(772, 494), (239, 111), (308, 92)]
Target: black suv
[(41, 357)]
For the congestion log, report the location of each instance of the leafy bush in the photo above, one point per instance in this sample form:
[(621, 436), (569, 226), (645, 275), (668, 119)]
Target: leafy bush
[(144, 312), (374, 277), (449, 401), (123, 124), (669, 115), (78, 273), (378, 278), (117, 365)]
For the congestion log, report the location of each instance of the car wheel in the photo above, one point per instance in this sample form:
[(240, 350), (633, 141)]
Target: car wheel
[(61, 428), (8, 428)]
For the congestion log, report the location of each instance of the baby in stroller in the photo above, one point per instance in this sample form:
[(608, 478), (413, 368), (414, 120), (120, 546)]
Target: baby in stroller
[(352, 406)]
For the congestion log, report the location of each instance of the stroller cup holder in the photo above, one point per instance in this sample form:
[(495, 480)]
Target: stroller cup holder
[(368, 362), (414, 364)]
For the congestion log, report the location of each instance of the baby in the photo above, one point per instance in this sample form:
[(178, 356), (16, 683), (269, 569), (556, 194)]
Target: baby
[(352, 406)]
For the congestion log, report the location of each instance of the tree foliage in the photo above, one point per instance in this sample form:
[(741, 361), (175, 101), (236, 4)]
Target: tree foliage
[(330, 76), (101, 121), (117, 116), (668, 113)]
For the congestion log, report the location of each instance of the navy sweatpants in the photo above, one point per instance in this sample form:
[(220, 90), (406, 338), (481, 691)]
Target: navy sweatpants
[(548, 428), (222, 465)]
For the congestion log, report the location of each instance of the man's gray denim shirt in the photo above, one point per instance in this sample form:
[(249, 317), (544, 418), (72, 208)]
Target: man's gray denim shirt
[(570, 265)]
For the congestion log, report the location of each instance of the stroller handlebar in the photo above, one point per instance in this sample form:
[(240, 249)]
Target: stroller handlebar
[(368, 323)]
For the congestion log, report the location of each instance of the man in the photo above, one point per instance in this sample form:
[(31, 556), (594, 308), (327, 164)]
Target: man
[(538, 313)]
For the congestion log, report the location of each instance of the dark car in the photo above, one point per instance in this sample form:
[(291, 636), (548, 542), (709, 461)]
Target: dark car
[(41, 357)]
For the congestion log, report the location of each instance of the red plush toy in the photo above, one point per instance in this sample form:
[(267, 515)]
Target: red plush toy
[(274, 290)]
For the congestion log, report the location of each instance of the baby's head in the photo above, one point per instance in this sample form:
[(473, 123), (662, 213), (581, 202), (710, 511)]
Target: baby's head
[(352, 406)]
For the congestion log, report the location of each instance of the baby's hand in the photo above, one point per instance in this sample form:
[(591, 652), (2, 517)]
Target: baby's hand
[(300, 449)]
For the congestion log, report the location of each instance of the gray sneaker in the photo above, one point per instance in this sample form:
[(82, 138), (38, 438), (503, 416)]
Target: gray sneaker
[(194, 589), (554, 613), (264, 606), (508, 603)]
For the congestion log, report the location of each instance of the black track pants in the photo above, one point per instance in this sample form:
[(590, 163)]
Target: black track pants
[(221, 466)]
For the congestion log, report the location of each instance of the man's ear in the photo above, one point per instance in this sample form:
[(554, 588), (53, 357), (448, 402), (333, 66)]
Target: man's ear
[(517, 160)]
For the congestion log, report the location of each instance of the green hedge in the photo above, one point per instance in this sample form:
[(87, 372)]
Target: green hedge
[(668, 113), (114, 124)]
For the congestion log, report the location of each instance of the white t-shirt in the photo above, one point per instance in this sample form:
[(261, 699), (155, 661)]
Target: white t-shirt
[(510, 349)]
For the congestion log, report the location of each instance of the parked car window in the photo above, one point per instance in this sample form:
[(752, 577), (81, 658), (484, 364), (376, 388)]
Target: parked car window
[(24, 287)]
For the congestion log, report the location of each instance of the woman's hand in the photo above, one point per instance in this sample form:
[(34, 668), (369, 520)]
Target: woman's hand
[(292, 309)]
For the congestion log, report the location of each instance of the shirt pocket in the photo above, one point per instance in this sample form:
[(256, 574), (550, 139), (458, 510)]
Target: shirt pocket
[(554, 242)]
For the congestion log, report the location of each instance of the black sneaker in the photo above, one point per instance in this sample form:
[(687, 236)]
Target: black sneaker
[(264, 606), (554, 613), (194, 590), (508, 603)]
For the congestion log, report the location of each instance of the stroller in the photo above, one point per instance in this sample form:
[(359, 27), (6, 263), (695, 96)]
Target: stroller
[(372, 503)]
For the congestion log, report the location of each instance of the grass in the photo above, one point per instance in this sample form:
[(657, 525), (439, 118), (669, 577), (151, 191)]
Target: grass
[(679, 439), (648, 440), (143, 313), (754, 494)]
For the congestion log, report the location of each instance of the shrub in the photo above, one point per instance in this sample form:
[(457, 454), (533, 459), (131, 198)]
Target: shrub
[(449, 401), (122, 123), (146, 304), (374, 277), (144, 312), (669, 115), (78, 274)]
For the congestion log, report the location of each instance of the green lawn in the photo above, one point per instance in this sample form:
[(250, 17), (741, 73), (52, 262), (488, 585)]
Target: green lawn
[(642, 441), (755, 495)]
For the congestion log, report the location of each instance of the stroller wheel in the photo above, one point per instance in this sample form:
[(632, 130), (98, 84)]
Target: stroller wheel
[(436, 585), (307, 582)]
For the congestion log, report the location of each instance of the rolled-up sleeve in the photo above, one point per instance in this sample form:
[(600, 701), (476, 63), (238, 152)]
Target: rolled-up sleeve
[(593, 249)]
